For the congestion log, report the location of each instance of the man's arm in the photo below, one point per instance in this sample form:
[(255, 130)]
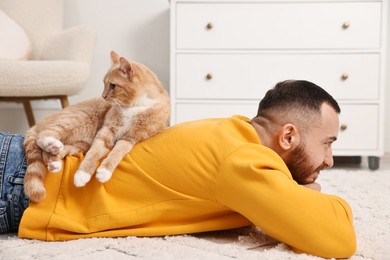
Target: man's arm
[(265, 193)]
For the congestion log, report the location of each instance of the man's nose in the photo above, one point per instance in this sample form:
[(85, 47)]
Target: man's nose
[(329, 159)]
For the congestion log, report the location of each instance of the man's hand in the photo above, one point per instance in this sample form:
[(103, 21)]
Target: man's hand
[(314, 186)]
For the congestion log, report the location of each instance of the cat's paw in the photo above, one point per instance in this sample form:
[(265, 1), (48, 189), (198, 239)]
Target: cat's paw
[(81, 178), (54, 166), (103, 175), (52, 145), (34, 189)]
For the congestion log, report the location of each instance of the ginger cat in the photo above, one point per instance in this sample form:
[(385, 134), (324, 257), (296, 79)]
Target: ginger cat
[(134, 106)]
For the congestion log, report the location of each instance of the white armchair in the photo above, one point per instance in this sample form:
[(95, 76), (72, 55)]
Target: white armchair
[(59, 63)]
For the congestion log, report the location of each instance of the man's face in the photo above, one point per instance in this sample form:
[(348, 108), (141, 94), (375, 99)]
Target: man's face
[(314, 153)]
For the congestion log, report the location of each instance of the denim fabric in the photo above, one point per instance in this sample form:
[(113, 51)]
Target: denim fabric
[(13, 166)]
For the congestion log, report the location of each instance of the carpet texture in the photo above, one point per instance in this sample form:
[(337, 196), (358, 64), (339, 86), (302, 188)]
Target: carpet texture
[(368, 193)]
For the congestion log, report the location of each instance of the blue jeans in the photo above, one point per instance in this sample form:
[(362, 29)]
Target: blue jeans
[(13, 166)]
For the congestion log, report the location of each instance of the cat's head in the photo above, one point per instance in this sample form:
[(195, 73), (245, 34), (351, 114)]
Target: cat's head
[(126, 80)]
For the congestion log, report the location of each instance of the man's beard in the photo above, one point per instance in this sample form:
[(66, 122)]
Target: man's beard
[(299, 165)]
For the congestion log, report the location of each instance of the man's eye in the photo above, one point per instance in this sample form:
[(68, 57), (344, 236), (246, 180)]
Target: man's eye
[(112, 86)]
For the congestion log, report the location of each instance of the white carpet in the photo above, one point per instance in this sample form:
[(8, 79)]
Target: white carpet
[(367, 192)]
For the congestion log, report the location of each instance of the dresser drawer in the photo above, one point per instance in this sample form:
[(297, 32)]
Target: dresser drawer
[(249, 76), (268, 25), (358, 123), (193, 111), (359, 129)]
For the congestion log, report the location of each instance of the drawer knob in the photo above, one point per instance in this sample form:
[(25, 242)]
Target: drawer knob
[(343, 127), (209, 26), (209, 76), (346, 25), (344, 77)]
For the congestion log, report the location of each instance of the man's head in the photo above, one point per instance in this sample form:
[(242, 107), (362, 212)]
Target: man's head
[(299, 121)]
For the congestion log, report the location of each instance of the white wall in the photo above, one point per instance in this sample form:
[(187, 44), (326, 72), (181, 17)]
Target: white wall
[(136, 29)]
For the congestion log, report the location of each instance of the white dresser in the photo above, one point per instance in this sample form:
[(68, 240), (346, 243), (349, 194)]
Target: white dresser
[(226, 54)]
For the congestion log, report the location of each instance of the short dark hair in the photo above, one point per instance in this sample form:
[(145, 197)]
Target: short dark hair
[(300, 94), (298, 102)]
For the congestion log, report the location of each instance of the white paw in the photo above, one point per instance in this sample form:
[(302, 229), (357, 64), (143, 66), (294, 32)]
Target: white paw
[(52, 145), (54, 166), (103, 175), (81, 178)]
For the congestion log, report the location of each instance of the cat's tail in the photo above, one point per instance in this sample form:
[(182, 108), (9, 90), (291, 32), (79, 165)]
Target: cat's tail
[(36, 169)]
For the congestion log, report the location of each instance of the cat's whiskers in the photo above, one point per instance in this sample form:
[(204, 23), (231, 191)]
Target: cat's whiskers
[(101, 105), (117, 102)]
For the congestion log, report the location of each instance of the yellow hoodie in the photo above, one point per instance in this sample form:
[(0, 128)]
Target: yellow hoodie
[(205, 175)]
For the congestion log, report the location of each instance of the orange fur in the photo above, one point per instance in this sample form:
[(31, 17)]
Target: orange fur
[(134, 106)]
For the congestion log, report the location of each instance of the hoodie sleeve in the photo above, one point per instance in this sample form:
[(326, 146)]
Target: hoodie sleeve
[(256, 183)]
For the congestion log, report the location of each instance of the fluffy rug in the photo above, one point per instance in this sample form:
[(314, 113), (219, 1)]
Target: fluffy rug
[(368, 192)]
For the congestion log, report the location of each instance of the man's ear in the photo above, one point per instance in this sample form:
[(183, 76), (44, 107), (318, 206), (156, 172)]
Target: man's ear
[(288, 137)]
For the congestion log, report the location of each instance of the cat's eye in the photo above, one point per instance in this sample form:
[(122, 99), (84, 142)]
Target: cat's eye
[(112, 86)]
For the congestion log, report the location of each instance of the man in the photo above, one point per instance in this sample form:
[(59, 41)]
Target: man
[(205, 175)]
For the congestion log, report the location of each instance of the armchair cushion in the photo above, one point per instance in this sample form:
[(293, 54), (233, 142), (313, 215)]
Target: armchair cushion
[(63, 69), (42, 78), (14, 43), (75, 43)]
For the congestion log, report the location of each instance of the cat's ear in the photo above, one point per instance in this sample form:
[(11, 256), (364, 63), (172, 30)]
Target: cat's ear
[(114, 57), (125, 67)]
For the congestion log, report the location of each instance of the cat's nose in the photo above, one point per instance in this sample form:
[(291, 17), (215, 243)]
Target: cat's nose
[(104, 93)]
